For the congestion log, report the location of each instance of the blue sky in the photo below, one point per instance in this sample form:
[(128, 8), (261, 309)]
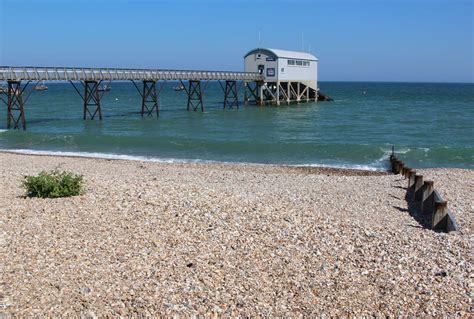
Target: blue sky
[(365, 40)]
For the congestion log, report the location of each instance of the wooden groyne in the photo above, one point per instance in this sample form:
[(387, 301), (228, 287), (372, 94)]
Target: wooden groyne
[(423, 193)]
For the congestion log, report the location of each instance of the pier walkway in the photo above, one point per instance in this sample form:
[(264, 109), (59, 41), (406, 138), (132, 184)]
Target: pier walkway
[(112, 74), (87, 83)]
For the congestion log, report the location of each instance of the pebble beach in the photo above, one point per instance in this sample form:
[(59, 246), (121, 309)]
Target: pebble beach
[(148, 238)]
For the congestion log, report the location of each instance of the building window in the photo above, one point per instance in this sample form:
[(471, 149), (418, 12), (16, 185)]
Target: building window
[(271, 72), (298, 63)]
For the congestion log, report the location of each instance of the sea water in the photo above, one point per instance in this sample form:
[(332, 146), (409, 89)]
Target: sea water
[(430, 125)]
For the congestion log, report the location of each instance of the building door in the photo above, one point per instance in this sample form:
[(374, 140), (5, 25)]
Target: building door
[(261, 68)]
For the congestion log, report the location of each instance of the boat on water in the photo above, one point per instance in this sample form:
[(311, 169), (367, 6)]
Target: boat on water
[(103, 88), (41, 86), (179, 88)]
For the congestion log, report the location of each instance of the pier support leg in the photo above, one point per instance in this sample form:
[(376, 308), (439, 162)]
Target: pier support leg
[(277, 93), (288, 93), (15, 105), (195, 96), (230, 95), (269, 93), (298, 92), (253, 90), (293, 95), (149, 99), (92, 99), (303, 92), (283, 93), (246, 98)]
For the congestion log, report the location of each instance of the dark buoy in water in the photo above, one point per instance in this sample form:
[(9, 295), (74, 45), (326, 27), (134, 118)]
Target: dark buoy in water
[(324, 97)]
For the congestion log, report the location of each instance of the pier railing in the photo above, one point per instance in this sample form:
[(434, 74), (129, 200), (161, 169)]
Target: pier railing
[(423, 193), (8, 73)]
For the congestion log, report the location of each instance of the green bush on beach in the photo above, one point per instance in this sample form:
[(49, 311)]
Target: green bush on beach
[(53, 184)]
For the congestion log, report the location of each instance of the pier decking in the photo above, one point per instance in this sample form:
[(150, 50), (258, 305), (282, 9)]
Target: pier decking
[(111, 74)]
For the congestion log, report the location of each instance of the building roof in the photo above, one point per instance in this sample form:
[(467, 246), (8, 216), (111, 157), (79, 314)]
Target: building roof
[(284, 54)]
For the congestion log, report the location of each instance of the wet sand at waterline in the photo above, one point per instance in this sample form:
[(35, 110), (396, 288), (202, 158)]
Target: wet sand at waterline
[(186, 238)]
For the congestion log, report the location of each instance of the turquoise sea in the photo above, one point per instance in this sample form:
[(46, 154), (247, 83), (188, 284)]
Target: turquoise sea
[(430, 125)]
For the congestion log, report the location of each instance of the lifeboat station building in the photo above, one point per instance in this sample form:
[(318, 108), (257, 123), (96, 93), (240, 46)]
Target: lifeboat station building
[(290, 76)]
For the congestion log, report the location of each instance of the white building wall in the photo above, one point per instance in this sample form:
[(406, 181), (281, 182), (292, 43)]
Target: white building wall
[(282, 71), (253, 61), (296, 72)]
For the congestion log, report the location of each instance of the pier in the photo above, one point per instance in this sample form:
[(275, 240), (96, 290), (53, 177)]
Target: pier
[(271, 77), (87, 82)]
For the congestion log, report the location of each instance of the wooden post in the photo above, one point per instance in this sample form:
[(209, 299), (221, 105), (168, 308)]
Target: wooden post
[(407, 172), (440, 215), (418, 193), (394, 166), (427, 199), (451, 223), (397, 167), (401, 168), (411, 178)]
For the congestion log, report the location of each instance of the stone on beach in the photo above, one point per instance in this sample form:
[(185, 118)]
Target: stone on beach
[(148, 238)]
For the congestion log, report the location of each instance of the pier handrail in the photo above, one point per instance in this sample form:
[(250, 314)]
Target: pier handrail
[(26, 73)]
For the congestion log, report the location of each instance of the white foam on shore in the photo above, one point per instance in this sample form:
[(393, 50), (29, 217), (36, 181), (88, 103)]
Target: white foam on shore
[(382, 163), (402, 151), (112, 156), (343, 166), (2, 131)]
